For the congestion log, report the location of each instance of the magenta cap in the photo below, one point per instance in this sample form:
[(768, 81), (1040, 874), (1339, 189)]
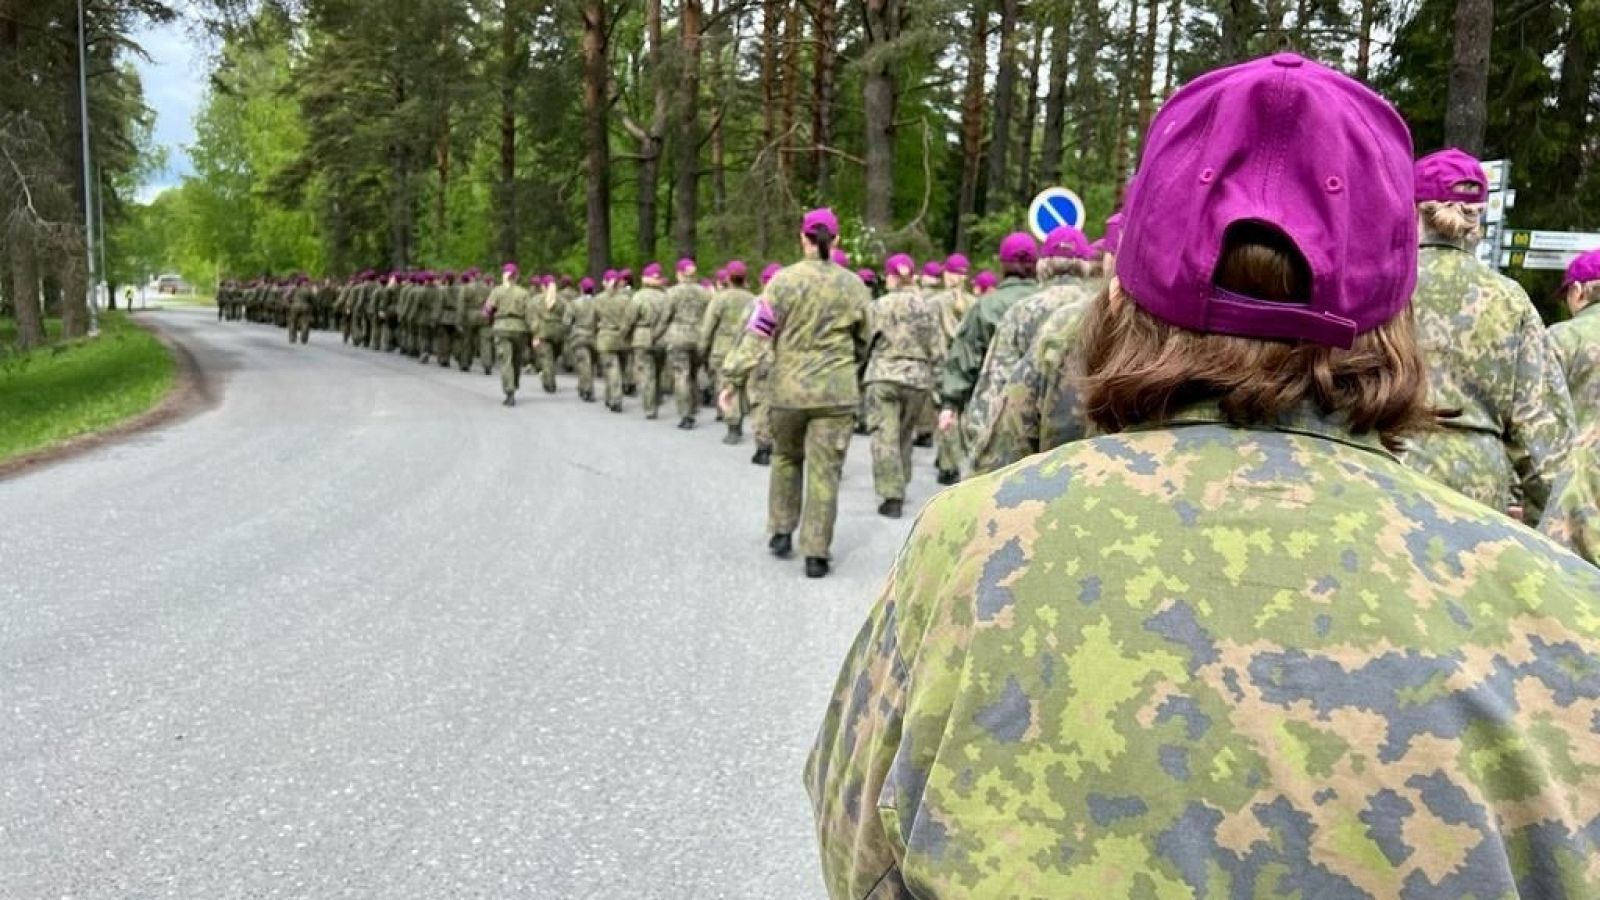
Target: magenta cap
[(840, 258), (736, 268), (1439, 173), (932, 269), (651, 271), (1019, 247), (821, 218), (957, 264), (985, 280), (586, 284), (685, 264), (867, 276), (1292, 145), (770, 272), (509, 269), (609, 275), (900, 265), (1066, 242), (1584, 269)]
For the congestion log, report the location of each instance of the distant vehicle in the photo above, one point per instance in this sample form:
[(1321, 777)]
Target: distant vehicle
[(173, 284)]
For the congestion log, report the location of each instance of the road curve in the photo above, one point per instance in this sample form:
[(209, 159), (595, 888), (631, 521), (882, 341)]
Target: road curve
[(359, 631)]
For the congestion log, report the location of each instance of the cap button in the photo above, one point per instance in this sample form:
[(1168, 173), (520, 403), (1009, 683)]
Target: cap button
[(1288, 60)]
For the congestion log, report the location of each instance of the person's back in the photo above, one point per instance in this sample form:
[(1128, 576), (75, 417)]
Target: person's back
[(1232, 647), (1577, 340), (821, 309), (1489, 360)]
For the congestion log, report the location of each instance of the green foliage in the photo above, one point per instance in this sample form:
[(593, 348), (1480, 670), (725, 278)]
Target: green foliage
[(65, 390)]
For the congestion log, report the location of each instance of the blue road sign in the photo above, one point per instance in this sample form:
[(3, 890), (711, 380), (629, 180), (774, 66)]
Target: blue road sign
[(1053, 208)]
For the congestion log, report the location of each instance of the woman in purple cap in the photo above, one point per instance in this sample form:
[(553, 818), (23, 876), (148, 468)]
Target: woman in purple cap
[(813, 314), (719, 334), (1508, 421), (1232, 647), (1577, 340)]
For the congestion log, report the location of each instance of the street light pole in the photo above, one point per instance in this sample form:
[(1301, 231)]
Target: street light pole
[(88, 205)]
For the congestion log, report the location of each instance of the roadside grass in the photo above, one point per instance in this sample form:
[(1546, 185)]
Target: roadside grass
[(61, 391)]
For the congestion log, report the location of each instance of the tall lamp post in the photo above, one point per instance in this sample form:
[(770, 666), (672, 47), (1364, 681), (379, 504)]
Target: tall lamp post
[(88, 204)]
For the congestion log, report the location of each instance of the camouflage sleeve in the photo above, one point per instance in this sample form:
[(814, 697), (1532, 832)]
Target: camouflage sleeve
[(1572, 516), (743, 358), (1013, 431), (965, 360), (708, 325), (660, 317), (1540, 432)]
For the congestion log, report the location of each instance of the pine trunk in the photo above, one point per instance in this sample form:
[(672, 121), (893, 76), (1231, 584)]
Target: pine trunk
[(651, 144), (882, 28), (1147, 75), (1125, 101), (1005, 96), (1030, 117), (793, 44), (687, 189), (1369, 10), (771, 30), (506, 188), (972, 122), (1174, 28), (719, 142), (824, 23), (597, 151), (1055, 104), (25, 291), (1467, 98)]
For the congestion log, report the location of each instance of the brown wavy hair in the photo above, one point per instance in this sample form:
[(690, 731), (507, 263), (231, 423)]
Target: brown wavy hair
[(1143, 370)]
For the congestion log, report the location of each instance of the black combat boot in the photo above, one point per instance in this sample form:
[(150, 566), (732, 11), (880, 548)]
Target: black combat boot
[(763, 455), (511, 400), (923, 440), (781, 545), (687, 423), (733, 437), (949, 476), (891, 509), (816, 567)]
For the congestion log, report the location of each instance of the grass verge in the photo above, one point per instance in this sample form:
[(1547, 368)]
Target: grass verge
[(54, 393)]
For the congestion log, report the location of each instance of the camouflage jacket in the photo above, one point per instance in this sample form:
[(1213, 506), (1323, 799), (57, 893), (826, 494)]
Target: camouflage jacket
[(1577, 343), (686, 309), (450, 305), (725, 318), (1209, 661), (581, 321), (549, 309), (612, 310), (972, 339), (1489, 357), (952, 306), (1041, 406), (302, 297), (647, 318), (1012, 339), (434, 300), (473, 296), (816, 312), (904, 340), (1573, 514), (510, 302)]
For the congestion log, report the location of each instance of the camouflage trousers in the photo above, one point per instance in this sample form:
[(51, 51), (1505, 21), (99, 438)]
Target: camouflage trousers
[(299, 325), (511, 354), (444, 344), (741, 403), (685, 362), (648, 372), (808, 451), (583, 367), (550, 353), (486, 346), (612, 364), (759, 411), (950, 447), (893, 413), (466, 340)]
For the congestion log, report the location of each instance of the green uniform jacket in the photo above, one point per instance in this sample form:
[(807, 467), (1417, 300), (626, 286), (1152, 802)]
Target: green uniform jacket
[(1577, 343), (1489, 357), (904, 340), (820, 338), (965, 362), (510, 304), (1042, 404), (647, 318), (686, 310), (581, 321), (725, 319), (612, 311), (552, 314), (1209, 661)]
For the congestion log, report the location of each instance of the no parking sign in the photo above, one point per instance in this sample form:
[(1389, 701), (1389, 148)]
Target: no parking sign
[(1053, 208)]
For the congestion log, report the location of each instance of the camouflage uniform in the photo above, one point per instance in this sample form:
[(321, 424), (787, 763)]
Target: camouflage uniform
[(612, 312), (1042, 404), (647, 321), (952, 306), (1012, 340), (1577, 344), (580, 337), (447, 323), (300, 313), (959, 375), (387, 305), (510, 303), (470, 323), (1217, 662), (1489, 357), (552, 332), (905, 342), (724, 321), (1573, 514), (686, 308), (819, 311)]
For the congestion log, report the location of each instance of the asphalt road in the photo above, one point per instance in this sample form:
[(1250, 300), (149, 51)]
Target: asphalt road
[(359, 631)]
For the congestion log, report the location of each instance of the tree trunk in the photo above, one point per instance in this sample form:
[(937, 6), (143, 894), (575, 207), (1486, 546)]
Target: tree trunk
[(687, 222), (1369, 10), (652, 141), (882, 28), (74, 296), (400, 194), (1055, 104), (1125, 100), (771, 29), (596, 136), (972, 122), (1572, 99), (1089, 107), (1174, 28), (824, 24), (1234, 29), (1030, 117), (441, 202), (506, 187), (1005, 97), (1467, 99), (25, 292), (793, 42), (1147, 76), (719, 141)]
